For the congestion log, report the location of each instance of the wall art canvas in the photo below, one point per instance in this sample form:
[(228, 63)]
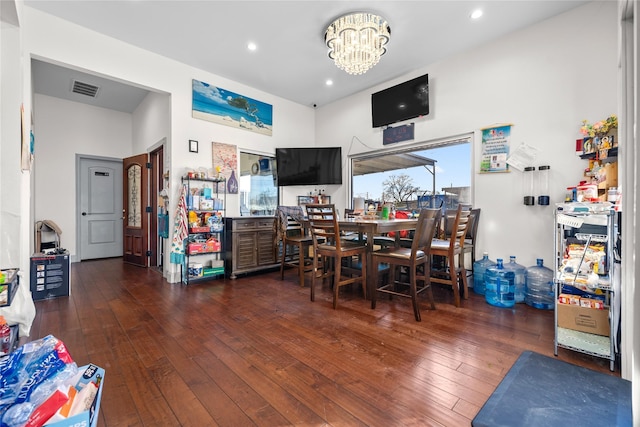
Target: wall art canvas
[(226, 157), (224, 107)]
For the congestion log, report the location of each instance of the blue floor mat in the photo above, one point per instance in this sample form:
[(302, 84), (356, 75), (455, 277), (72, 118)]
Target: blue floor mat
[(544, 391)]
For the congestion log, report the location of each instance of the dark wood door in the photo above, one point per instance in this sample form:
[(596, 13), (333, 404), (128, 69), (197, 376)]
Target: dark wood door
[(135, 215)]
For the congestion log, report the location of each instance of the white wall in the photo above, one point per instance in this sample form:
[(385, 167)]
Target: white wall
[(14, 183), (545, 80), (10, 176), (54, 40), (64, 129), (151, 122)]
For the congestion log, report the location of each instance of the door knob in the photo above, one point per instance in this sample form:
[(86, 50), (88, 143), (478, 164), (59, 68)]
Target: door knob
[(84, 214)]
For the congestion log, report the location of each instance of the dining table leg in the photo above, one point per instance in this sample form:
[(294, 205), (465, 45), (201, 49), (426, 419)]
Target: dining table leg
[(371, 275)]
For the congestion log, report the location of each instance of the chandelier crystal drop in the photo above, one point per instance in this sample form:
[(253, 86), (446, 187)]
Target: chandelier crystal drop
[(357, 41)]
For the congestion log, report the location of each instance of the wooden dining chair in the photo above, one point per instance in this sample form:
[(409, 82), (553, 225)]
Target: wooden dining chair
[(453, 270), (327, 243), (415, 259), (296, 241), (470, 239)]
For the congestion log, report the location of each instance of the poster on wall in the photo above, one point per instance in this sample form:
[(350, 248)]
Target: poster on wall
[(224, 107), (225, 156), (495, 148)]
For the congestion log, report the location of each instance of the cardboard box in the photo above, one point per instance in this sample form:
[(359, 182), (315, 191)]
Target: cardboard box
[(611, 173), (196, 248), (90, 373), (583, 319), (199, 229), (49, 276), (206, 204), (569, 299)]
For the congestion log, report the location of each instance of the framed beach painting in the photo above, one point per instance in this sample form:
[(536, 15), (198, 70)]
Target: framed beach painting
[(224, 107)]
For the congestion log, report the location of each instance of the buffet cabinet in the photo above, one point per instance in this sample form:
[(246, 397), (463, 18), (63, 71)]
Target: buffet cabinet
[(249, 245)]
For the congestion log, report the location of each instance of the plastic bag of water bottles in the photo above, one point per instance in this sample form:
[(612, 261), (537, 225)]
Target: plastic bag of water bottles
[(29, 377)]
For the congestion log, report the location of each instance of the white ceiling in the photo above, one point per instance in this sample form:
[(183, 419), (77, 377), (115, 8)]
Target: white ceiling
[(291, 60)]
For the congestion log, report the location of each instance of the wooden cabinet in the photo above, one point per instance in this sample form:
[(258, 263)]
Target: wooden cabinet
[(249, 245)]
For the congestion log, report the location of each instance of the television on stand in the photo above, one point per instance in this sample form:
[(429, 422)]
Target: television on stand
[(401, 102), (309, 166)]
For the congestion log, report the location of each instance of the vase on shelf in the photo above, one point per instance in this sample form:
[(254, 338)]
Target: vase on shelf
[(232, 183)]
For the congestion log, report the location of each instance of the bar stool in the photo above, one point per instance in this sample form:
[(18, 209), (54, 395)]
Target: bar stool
[(327, 242), (415, 259)]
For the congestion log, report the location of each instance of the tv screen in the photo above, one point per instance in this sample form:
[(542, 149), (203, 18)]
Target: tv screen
[(401, 102), (309, 166)]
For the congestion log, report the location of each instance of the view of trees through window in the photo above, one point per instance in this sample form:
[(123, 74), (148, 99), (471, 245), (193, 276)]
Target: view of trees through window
[(443, 181)]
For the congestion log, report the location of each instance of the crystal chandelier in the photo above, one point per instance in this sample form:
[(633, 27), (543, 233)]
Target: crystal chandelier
[(357, 41)]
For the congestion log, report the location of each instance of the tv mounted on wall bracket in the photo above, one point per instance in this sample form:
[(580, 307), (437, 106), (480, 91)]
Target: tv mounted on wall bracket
[(401, 102), (309, 166)]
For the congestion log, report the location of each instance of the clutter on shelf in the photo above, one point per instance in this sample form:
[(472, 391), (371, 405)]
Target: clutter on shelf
[(600, 136)]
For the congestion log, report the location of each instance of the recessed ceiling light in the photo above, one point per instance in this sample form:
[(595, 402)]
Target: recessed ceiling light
[(476, 14), (329, 82), (251, 46)]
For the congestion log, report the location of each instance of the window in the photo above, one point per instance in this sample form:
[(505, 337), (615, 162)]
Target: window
[(258, 185), (435, 174)]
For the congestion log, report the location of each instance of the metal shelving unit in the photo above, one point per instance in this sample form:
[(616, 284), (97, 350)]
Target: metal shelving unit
[(584, 228), (215, 204)]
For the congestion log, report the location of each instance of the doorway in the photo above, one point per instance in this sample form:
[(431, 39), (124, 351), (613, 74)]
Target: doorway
[(99, 215), (136, 209)]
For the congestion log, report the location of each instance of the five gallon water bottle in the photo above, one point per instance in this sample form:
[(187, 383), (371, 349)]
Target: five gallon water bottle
[(479, 268), (539, 292), (520, 278), (499, 286)]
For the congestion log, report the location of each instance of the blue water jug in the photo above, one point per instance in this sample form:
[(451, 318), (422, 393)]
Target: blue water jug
[(499, 286), (520, 278), (479, 268), (539, 292)]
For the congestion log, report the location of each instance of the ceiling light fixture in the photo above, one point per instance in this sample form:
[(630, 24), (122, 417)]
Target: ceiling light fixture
[(357, 41), (476, 14)]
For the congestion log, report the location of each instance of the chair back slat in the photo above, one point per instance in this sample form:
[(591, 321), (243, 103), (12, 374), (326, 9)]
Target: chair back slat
[(459, 227), (472, 230), (323, 223), (423, 234)]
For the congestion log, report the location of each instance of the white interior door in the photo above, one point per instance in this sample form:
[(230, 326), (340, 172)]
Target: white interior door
[(100, 208)]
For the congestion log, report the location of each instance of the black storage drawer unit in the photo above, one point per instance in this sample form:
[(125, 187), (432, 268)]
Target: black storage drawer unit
[(49, 276)]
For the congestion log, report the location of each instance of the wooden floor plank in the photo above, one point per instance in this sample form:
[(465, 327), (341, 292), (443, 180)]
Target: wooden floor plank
[(257, 352)]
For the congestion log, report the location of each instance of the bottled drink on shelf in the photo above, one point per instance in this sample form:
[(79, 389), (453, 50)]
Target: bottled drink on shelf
[(539, 291), (5, 336), (479, 268), (499, 286)]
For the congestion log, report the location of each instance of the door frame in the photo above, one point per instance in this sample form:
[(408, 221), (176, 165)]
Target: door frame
[(79, 158), (156, 158)]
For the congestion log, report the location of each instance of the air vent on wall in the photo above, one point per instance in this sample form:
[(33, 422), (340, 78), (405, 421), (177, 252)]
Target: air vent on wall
[(84, 89)]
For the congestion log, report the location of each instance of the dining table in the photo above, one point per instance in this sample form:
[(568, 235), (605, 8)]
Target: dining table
[(369, 228)]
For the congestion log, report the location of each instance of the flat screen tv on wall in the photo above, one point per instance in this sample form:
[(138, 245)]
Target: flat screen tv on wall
[(309, 166), (404, 101)]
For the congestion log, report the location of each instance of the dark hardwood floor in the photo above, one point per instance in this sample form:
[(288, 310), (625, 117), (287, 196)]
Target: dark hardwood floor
[(257, 351)]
